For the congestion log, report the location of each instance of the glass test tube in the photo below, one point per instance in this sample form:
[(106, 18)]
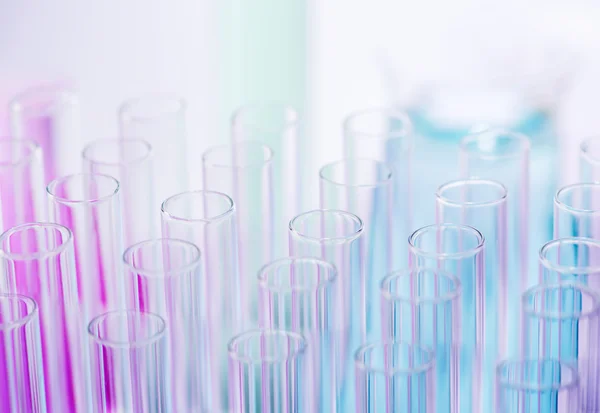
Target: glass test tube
[(577, 211), (393, 376), (22, 181), (244, 171), (207, 219), (459, 250), (421, 306), (561, 321), (571, 259), (38, 260), (364, 188), (589, 160), (49, 115), (21, 371), (536, 386), (160, 121), (267, 372), (127, 360), (482, 204), (337, 237), (129, 162), (386, 135), (89, 205), (298, 294), (503, 156), (163, 276), (278, 127)]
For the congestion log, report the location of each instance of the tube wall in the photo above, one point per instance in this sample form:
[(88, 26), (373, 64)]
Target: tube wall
[(577, 211)]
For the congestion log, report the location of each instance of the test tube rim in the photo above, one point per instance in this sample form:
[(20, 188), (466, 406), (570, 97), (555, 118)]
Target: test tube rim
[(580, 315), (157, 273), (127, 113), (34, 150), (216, 218), (268, 158), (330, 270), (447, 297), (125, 344), (21, 103), (233, 353), (570, 269), (473, 137), (454, 255), (67, 237), (404, 133), (65, 201), (117, 141), (573, 384), (333, 240), (361, 365), (32, 311), (566, 207), (381, 183), (584, 149), (471, 204), (241, 110)]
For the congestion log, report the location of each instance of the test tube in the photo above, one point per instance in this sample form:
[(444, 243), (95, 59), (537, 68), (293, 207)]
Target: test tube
[(589, 160), (577, 211), (163, 277), (482, 204), (127, 359), (298, 294), (50, 116), (421, 306), (364, 187), (337, 237), (38, 261), (89, 205), (267, 372), (503, 156), (160, 121), (244, 171), (459, 250), (561, 321), (21, 371), (571, 259), (536, 386), (208, 220), (129, 162), (278, 127), (22, 181), (386, 135), (395, 376)]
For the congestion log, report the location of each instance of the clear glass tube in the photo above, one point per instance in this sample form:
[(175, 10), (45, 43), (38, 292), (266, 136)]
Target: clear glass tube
[(577, 211), (481, 204), (277, 127), (38, 261), (589, 160), (208, 220), (364, 188), (536, 386), (266, 372), (50, 116), (90, 206), (393, 376), (21, 371), (127, 360), (421, 306), (561, 321), (571, 259), (129, 162), (244, 171), (337, 237), (22, 182), (503, 156), (298, 294), (459, 250), (160, 121), (386, 135), (164, 277)]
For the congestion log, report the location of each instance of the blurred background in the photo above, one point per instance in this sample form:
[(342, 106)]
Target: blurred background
[(452, 65)]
